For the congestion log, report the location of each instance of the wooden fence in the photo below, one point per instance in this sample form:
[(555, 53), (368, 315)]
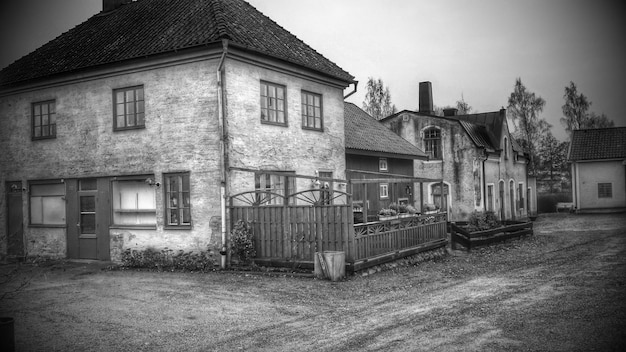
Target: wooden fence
[(289, 230), (469, 240)]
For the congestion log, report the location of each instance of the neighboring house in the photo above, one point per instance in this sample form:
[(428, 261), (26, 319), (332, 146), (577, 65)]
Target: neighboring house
[(132, 129), (598, 159), (482, 166), (373, 151)]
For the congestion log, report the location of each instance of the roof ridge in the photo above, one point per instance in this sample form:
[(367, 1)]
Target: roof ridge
[(219, 17)]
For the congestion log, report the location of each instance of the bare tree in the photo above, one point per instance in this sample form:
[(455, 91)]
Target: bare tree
[(524, 108), (378, 99)]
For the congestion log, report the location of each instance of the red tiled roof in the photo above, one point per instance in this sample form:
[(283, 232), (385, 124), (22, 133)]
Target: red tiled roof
[(363, 132), (147, 27), (595, 144)]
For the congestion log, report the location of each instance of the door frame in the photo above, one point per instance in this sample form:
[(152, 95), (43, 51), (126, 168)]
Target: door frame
[(15, 190)]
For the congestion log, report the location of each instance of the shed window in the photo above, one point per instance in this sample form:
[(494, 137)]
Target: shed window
[(605, 190), (432, 142), (47, 204), (44, 120), (273, 107), (129, 109)]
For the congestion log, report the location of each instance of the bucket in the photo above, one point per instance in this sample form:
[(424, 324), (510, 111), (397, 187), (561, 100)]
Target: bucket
[(7, 335), (330, 265)]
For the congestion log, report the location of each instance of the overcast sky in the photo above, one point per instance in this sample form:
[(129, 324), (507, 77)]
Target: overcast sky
[(471, 49)]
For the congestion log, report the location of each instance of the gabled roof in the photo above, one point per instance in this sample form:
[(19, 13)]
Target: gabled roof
[(364, 133), (147, 27), (595, 144)]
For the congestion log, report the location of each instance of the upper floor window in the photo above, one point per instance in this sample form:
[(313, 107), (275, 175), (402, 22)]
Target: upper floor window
[(177, 200), (432, 142), (44, 120), (312, 111), (129, 109), (273, 109), (382, 164), (605, 190)]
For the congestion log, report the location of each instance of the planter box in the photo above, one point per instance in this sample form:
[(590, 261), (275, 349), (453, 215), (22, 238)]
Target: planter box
[(383, 218), (460, 235)]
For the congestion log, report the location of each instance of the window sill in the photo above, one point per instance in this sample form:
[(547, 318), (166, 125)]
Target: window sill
[(118, 129), (313, 129), (173, 227), (134, 227), (282, 124)]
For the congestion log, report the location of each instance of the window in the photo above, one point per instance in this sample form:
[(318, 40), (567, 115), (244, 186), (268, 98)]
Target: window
[(129, 108), (432, 142), (605, 190), (44, 120), (384, 190), (177, 200), (279, 183), (326, 187), (520, 196), (441, 201), (47, 204), (382, 164), (506, 148), (273, 104), (489, 197), (134, 202), (311, 111)]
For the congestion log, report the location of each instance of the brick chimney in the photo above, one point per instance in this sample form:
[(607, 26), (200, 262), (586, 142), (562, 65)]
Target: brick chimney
[(426, 98), (110, 5), (450, 112)]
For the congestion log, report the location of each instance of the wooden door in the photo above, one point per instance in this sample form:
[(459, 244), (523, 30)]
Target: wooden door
[(88, 219), (15, 220)]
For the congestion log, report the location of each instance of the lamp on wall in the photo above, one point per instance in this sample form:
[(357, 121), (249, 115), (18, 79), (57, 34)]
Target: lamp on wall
[(151, 182)]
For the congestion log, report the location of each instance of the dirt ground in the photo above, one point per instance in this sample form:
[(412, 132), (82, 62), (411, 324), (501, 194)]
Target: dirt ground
[(563, 289)]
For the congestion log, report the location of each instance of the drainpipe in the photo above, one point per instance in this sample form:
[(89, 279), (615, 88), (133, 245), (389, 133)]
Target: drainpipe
[(223, 156)]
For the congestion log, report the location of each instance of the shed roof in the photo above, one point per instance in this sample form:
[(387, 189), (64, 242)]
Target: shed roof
[(365, 133), (597, 144), (147, 27)]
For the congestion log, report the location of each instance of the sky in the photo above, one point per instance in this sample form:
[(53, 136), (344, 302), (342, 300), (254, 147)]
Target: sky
[(474, 50)]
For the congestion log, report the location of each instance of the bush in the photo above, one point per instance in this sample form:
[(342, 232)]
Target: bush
[(241, 242), (481, 221), (166, 260)]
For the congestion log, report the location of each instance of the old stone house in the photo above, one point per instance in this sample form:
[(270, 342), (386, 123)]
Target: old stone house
[(132, 129), (598, 162), (482, 167), (374, 152)]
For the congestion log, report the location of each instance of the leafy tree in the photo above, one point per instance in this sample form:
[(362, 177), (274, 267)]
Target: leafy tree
[(576, 115), (524, 108), (553, 159), (378, 99), (463, 107)]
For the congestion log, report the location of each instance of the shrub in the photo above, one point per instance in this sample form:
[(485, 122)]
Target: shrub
[(242, 242), (481, 221), (387, 212), (167, 260)]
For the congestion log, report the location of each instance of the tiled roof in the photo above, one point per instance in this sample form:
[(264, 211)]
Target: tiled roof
[(601, 143), (364, 133), (147, 27), (479, 135)]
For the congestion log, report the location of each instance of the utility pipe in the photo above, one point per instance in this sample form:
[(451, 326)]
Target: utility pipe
[(221, 122)]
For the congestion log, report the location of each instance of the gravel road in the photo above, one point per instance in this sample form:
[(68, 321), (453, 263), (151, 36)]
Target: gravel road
[(560, 290)]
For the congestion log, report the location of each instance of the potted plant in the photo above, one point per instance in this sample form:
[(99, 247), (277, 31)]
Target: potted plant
[(411, 210), (387, 214)]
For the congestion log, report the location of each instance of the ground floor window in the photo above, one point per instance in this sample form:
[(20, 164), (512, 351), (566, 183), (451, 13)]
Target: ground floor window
[(47, 203), (177, 199), (384, 190), (605, 190), (134, 201), (520, 195), (440, 199), (489, 197)]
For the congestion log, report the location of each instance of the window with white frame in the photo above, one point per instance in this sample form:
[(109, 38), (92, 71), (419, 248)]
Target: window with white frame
[(134, 201), (384, 190), (47, 203), (382, 164)]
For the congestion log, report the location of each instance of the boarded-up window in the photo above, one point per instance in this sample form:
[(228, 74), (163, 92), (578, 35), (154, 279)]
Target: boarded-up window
[(47, 204)]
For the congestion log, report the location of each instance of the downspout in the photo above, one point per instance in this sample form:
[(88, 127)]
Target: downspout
[(223, 151)]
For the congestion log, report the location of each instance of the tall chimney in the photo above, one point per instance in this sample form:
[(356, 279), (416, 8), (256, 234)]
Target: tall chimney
[(426, 98), (110, 5)]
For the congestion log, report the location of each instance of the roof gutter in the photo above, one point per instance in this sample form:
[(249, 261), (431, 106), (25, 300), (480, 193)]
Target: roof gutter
[(223, 151), (356, 83)]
